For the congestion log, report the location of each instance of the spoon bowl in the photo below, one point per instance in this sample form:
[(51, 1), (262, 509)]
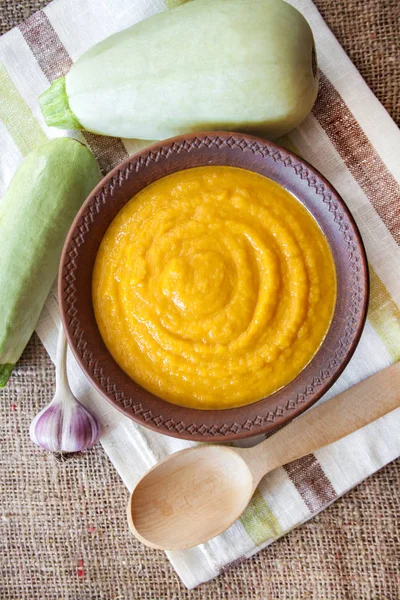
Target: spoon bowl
[(199, 491)]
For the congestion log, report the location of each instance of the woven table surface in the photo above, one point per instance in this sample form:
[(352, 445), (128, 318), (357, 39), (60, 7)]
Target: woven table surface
[(63, 529)]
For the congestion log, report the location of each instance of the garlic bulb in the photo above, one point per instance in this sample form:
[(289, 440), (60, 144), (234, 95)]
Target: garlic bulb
[(64, 425)]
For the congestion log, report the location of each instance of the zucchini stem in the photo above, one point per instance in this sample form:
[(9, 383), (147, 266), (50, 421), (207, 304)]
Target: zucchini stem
[(55, 107)]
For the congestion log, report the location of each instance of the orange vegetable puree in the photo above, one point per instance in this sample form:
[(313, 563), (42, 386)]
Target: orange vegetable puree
[(213, 287)]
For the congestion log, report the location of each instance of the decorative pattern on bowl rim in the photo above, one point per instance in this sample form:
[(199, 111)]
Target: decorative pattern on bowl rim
[(315, 386)]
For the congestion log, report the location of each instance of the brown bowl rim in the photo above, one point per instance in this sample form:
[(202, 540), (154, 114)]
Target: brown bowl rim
[(333, 216)]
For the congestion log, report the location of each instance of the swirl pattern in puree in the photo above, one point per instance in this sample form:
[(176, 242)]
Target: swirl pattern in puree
[(213, 287)]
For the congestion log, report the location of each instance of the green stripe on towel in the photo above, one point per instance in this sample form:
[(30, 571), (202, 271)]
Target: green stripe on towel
[(259, 521), (384, 315), (14, 111), (175, 3)]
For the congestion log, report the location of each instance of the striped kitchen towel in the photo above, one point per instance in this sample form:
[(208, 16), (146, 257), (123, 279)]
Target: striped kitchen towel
[(351, 139)]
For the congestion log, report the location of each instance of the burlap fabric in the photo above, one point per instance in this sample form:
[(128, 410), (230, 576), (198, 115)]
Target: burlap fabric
[(352, 550)]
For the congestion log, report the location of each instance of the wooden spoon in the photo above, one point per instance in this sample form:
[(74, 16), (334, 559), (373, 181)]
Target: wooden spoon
[(196, 494)]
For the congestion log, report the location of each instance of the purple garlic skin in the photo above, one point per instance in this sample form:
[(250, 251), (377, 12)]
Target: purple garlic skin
[(65, 426)]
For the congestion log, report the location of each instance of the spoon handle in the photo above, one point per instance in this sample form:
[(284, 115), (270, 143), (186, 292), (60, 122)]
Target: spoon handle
[(329, 422)]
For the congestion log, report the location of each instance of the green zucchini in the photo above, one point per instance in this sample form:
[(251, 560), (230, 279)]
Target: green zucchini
[(35, 214), (246, 65)]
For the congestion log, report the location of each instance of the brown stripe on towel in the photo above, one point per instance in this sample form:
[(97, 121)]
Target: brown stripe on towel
[(109, 151), (359, 155), (311, 482), (46, 46), (55, 62)]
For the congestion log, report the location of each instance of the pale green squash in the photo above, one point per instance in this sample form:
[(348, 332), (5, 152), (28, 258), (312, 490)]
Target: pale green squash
[(245, 65), (36, 212)]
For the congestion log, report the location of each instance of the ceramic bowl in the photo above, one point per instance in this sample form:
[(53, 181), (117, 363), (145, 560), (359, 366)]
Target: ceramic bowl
[(145, 167)]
